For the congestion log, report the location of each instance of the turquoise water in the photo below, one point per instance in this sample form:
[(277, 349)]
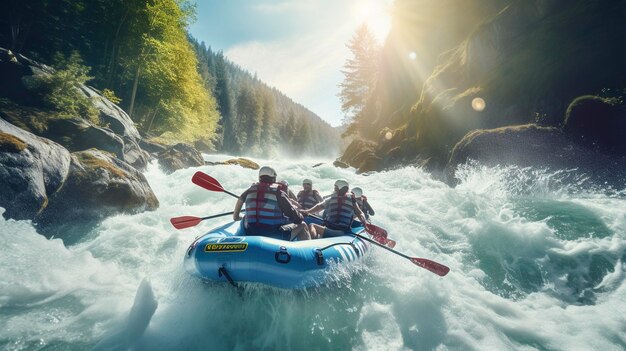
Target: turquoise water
[(537, 262)]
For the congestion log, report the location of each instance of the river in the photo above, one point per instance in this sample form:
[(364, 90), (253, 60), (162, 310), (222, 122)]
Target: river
[(537, 261)]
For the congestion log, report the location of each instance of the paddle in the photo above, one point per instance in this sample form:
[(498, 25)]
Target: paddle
[(206, 181), (432, 266), (381, 238), (190, 221)]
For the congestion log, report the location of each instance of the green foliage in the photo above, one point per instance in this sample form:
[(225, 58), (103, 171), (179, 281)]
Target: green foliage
[(110, 95), (60, 90)]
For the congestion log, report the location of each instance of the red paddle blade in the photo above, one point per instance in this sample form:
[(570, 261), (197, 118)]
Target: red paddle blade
[(206, 181), (185, 222), (375, 230), (432, 266), (382, 240)]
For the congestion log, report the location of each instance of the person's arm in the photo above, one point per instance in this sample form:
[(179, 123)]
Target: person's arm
[(293, 196), (317, 196), (239, 205), (284, 203), (358, 212), (316, 208), (368, 208)]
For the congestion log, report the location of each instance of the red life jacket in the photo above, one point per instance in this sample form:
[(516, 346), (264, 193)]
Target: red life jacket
[(262, 205), (307, 199), (340, 211)]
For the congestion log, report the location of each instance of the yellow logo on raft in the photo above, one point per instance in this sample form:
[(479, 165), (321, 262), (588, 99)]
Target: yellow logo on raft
[(238, 247)]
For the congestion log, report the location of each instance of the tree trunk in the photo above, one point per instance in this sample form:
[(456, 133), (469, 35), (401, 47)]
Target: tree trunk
[(134, 93), (114, 49), (152, 119)]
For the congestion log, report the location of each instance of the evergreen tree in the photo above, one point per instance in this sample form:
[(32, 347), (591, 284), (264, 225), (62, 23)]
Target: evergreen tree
[(360, 73)]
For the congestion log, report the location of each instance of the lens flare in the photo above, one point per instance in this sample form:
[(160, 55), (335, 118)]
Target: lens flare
[(478, 104), (412, 55)]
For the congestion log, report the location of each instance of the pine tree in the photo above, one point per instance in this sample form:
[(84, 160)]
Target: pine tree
[(360, 73)]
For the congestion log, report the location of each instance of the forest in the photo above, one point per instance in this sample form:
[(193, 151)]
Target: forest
[(139, 54)]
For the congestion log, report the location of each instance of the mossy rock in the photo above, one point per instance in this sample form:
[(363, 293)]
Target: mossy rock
[(538, 147), (98, 185), (361, 154), (92, 164), (243, 162), (11, 143), (597, 122), (180, 156)]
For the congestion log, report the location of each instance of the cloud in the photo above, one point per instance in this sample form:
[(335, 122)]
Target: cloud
[(302, 68)]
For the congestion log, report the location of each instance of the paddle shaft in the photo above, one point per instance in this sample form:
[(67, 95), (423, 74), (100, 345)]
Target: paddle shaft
[(381, 245), (219, 215)]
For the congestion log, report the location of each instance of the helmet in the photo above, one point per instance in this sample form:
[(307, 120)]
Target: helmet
[(307, 181), (358, 192), (284, 182), (267, 171), (341, 183)]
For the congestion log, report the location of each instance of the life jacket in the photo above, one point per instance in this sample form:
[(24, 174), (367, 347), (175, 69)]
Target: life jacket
[(262, 206), (307, 199), (340, 211)]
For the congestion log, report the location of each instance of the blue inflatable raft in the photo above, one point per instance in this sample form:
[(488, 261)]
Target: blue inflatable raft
[(225, 254)]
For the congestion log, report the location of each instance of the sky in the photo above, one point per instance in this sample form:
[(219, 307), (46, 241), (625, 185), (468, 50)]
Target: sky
[(297, 46)]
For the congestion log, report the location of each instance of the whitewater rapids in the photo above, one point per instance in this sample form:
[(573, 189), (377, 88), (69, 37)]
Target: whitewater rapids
[(537, 262)]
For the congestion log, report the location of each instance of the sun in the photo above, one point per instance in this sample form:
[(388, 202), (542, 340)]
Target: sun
[(376, 14)]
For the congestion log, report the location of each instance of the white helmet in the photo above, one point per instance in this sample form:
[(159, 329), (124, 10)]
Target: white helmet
[(341, 183), (267, 171), (307, 181), (358, 192)]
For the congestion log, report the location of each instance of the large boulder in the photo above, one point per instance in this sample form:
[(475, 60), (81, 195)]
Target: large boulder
[(98, 185), (534, 146), (598, 123), (361, 154), (31, 170), (178, 157), (77, 134), (151, 146)]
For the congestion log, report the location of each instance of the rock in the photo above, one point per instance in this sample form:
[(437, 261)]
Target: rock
[(243, 162), (12, 71), (98, 185), (151, 146), (134, 155), (340, 164), (598, 123), (31, 170), (361, 155), (77, 134), (540, 147), (111, 114), (178, 157)]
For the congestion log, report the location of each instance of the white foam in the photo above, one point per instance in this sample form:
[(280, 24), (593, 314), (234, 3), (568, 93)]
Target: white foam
[(517, 281)]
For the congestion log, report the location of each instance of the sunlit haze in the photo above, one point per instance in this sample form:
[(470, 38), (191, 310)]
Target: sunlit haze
[(298, 46)]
